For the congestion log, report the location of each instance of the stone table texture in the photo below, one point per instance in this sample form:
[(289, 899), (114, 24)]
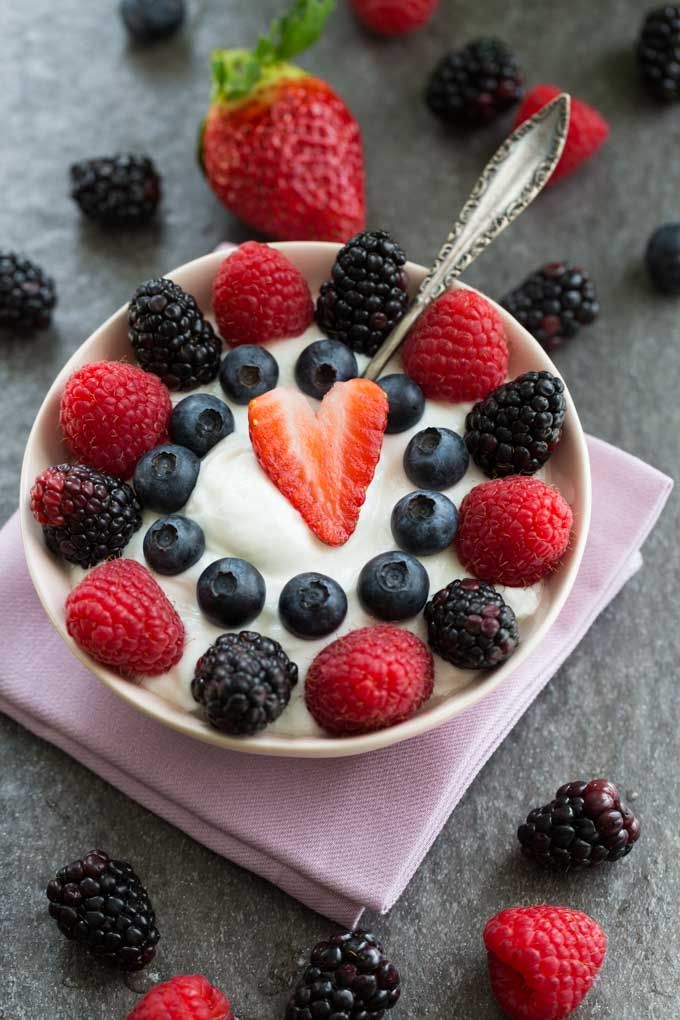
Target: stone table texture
[(72, 87)]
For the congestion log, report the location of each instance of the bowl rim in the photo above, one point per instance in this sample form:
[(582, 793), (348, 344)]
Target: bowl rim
[(281, 745)]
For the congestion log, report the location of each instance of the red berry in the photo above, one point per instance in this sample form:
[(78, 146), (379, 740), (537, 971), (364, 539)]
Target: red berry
[(259, 295), (111, 413), (542, 960), (457, 350), (322, 462), (371, 678), (394, 17), (588, 130), (120, 616), (185, 997), (513, 530)]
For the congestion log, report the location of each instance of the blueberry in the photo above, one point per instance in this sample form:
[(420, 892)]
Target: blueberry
[(199, 422), (148, 20), (393, 586), (248, 371), (312, 605), (173, 544), (436, 459), (231, 592), (322, 364), (165, 477), (405, 399), (663, 258), (424, 522)]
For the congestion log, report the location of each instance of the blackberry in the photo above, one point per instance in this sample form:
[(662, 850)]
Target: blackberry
[(170, 336), (587, 823), (349, 978), (514, 430), (243, 682), (87, 516), (102, 904), (553, 303), (658, 52), (116, 189), (470, 625), (367, 293), (27, 294), (475, 84)]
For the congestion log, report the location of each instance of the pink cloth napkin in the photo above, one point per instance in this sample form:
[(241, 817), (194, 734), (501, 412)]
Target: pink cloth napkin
[(297, 823)]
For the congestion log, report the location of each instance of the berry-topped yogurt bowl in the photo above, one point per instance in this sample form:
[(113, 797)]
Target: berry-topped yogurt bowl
[(250, 541)]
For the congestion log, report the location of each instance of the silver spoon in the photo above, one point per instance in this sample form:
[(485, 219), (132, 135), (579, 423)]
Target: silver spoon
[(509, 183)]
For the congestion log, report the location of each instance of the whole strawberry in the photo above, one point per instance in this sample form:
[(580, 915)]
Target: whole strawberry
[(279, 147)]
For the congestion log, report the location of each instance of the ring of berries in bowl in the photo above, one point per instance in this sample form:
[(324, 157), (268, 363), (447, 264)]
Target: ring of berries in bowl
[(248, 540)]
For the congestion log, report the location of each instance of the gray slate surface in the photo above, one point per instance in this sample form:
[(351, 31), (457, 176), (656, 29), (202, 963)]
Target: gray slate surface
[(72, 87)]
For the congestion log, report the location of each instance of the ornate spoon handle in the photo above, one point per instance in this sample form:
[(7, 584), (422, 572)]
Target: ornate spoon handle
[(509, 183)]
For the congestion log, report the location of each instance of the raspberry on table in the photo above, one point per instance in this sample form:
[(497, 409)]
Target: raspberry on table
[(554, 303), (513, 531), (101, 903), (86, 516), (457, 350), (367, 293), (120, 616), (349, 978), (542, 960), (515, 430), (170, 336), (588, 130), (259, 295), (111, 413), (476, 84), (27, 294), (394, 17), (586, 824), (121, 189), (657, 52), (372, 678), (184, 997), (470, 625)]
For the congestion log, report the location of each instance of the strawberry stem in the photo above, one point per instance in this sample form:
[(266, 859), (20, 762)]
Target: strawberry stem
[(236, 72)]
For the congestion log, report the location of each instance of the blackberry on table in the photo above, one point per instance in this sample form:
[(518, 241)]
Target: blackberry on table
[(121, 189), (27, 294), (349, 978), (554, 303), (243, 682), (475, 84), (586, 824), (516, 428), (367, 293), (87, 516), (101, 903), (170, 336), (658, 52), (470, 625)]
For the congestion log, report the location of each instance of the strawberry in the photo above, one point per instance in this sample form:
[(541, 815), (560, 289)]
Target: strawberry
[(279, 147), (324, 462), (588, 130)]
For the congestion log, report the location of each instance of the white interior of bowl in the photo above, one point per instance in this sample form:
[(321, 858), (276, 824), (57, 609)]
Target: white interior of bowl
[(569, 470)]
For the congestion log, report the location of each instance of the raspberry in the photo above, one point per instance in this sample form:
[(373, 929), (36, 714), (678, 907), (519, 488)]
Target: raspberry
[(111, 413), (86, 516), (542, 960), (394, 17), (588, 130), (259, 295), (371, 678), (121, 617), (457, 349), (185, 997), (513, 530)]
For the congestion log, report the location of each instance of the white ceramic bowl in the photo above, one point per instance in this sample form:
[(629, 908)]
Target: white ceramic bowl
[(569, 470)]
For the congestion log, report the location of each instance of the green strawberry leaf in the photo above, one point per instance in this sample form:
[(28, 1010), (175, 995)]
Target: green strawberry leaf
[(234, 73)]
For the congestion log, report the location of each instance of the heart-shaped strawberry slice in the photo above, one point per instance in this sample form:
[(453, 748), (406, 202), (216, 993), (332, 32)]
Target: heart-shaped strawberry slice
[(324, 462)]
